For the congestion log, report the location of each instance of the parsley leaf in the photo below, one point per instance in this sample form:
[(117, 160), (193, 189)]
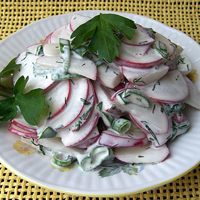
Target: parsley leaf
[(9, 68), (30, 104), (8, 109), (103, 31)]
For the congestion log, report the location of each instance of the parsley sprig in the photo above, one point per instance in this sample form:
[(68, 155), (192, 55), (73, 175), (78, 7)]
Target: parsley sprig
[(30, 104), (103, 30)]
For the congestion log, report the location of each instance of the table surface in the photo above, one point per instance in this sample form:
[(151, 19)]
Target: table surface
[(183, 15)]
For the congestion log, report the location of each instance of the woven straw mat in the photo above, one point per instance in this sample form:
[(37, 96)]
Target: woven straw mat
[(180, 14)]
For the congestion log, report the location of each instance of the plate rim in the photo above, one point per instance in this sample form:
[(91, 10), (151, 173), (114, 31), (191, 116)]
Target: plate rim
[(100, 195)]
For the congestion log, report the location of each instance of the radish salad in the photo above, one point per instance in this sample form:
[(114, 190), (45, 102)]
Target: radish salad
[(106, 115)]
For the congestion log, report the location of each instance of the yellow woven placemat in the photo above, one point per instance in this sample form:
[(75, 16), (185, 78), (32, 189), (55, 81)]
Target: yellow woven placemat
[(183, 15)]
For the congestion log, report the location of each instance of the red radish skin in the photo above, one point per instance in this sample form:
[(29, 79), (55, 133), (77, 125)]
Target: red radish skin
[(21, 132), (86, 107), (121, 62), (89, 140), (70, 138), (108, 138), (61, 121), (47, 39), (60, 32), (24, 127), (139, 37), (55, 97), (145, 154)]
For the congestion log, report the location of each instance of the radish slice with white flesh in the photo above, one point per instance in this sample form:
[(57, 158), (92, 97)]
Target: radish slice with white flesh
[(76, 20), (131, 138), (140, 38), (78, 65), (34, 49), (85, 114), (144, 154), (60, 32), (184, 65), (89, 140), (104, 94), (51, 49), (70, 138), (162, 50), (27, 63), (47, 39), (152, 120), (20, 122), (160, 139), (21, 132), (108, 74), (193, 98), (128, 58), (171, 88), (79, 90), (138, 50), (164, 46), (144, 76), (180, 124), (146, 118), (57, 98)]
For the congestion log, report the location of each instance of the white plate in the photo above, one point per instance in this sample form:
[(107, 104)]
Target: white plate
[(36, 169)]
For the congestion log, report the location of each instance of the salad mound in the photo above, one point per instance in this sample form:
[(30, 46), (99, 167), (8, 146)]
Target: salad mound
[(103, 92)]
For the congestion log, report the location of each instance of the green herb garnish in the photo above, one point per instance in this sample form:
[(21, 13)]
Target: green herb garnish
[(31, 104), (103, 30)]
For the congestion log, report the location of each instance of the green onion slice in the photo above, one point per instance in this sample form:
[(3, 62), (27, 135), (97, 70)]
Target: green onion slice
[(134, 96), (62, 160), (121, 125)]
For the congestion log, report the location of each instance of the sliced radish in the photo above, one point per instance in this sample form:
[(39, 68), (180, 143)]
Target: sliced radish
[(20, 122), (131, 138), (144, 154), (193, 98), (109, 75), (79, 90), (89, 140), (144, 76), (104, 95), (61, 32), (128, 58), (171, 88), (76, 20), (83, 66), (70, 138), (164, 45), (184, 65), (137, 50), (160, 139), (57, 98), (152, 120), (21, 132), (78, 65), (140, 38), (85, 114), (51, 49), (33, 48), (27, 63), (180, 124), (47, 39)]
